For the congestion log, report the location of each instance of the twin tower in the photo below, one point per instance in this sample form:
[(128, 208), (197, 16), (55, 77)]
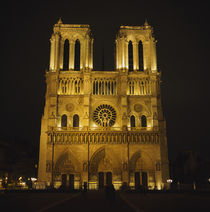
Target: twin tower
[(103, 127), (72, 48)]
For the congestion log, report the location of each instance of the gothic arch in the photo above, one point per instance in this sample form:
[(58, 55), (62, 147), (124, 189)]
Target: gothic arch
[(143, 121), (76, 120), (95, 160), (141, 55), (104, 155), (132, 121), (133, 160), (130, 56), (148, 163), (64, 120), (67, 163), (66, 50), (77, 55)]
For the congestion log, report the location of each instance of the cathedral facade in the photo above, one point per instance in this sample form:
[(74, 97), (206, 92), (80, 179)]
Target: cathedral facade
[(103, 127)]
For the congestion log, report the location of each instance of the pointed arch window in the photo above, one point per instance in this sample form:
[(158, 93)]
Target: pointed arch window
[(133, 123), (66, 55), (141, 61), (143, 121), (77, 56), (64, 121), (75, 120), (130, 56)]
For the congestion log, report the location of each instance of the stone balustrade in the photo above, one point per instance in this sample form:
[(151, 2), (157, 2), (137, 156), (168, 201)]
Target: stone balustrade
[(138, 86), (70, 86)]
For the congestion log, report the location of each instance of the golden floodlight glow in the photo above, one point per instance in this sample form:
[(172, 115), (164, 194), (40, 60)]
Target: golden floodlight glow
[(86, 135)]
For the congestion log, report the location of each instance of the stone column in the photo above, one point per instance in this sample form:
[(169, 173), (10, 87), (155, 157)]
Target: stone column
[(122, 53), (146, 54), (135, 56), (87, 92), (124, 100), (71, 54), (57, 38), (91, 54), (87, 52), (52, 52), (61, 53), (153, 57), (82, 54), (116, 55), (126, 54)]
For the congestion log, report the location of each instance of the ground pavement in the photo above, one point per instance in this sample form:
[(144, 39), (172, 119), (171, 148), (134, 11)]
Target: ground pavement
[(97, 201), (40, 202)]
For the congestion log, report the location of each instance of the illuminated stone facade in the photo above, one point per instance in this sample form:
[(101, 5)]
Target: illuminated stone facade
[(103, 127)]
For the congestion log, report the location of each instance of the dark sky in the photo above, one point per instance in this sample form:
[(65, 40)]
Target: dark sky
[(181, 29)]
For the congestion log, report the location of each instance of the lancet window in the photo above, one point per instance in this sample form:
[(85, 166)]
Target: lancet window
[(77, 56), (76, 120), (64, 121), (130, 56), (132, 121), (143, 121), (141, 61), (104, 87), (66, 55)]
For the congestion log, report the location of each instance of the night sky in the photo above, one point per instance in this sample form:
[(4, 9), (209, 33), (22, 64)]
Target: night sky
[(181, 29)]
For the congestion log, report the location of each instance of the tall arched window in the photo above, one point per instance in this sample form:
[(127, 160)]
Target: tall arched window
[(143, 121), (130, 56), (141, 61), (64, 121), (133, 124), (66, 55), (75, 120), (77, 56)]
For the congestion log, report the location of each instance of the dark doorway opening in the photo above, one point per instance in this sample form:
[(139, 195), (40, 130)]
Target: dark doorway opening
[(71, 181), (64, 180), (100, 180), (144, 179), (109, 178), (137, 180)]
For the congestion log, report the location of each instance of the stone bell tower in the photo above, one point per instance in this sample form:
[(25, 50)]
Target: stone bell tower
[(136, 49), (72, 36), (71, 54)]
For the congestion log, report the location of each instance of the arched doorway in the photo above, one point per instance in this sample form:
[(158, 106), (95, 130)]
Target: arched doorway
[(67, 181), (140, 166), (104, 178), (68, 171), (101, 169)]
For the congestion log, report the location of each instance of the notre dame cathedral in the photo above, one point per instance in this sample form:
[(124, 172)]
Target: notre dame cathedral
[(103, 127)]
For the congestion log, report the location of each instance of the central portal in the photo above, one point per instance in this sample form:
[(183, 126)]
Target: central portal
[(104, 178), (67, 181)]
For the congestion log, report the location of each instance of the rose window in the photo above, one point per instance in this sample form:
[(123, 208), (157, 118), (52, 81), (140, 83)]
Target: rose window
[(104, 115)]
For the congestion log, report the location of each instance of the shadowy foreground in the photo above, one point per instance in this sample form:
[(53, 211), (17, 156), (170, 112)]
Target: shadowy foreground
[(98, 201)]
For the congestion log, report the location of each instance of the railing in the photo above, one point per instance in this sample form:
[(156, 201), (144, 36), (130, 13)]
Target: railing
[(140, 87), (103, 129), (70, 86), (104, 86), (103, 137)]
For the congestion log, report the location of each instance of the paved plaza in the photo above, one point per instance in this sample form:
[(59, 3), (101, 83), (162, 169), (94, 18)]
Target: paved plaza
[(97, 201)]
